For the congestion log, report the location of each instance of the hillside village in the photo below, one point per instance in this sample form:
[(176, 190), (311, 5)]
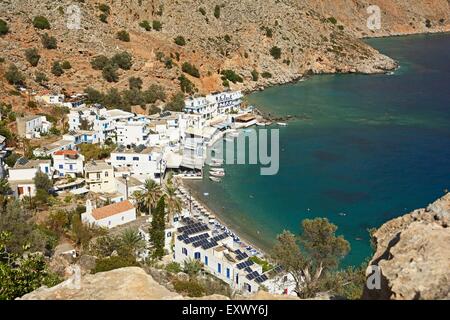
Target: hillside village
[(145, 154)]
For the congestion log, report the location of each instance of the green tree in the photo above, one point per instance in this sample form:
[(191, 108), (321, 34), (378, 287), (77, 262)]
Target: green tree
[(173, 202), (192, 267), (93, 95), (255, 75), (112, 99), (48, 42), (40, 77), (21, 274), (133, 97), (217, 11), (103, 7), (232, 76), (4, 29), (202, 11), (123, 60), (123, 35), (157, 25), (275, 52), (180, 41), (32, 56), (99, 62), (157, 229), (150, 195), (186, 85), (322, 250), (57, 69), (109, 73), (14, 76), (66, 65), (131, 243), (135, 83), (42, 181), (103, 18), (146, 25), (190, 69), (154, 93), (41, 22), (176, 103)]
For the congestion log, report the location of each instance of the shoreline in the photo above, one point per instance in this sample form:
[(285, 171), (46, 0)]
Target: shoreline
[(219, 217)]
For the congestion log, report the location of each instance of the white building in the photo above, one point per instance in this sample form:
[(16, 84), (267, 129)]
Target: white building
[(132, 133), (32, 126), (109, 216), (68, 163), (50, 98), (127, 186), (195, 146), (21, 176), (220, 255), (82, 136), (140, 162), (99, 177), (49, 149), (213, 104)]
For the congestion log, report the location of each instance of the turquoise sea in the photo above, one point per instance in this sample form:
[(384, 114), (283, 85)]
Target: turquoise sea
[(372, 147)]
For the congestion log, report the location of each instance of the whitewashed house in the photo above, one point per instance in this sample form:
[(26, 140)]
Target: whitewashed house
[(50, 98), (82, 136), (220, 255), (32, 126), (132, 133), (68, 163), (22, 174), (99, 177), (109, 216), (49, 149), (140, 162), (127, 186)]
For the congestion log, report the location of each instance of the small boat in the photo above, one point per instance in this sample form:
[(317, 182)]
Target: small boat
[(215, 165), (217, 161), (283, 124), (214, 179), (217, 169), (217, 174)]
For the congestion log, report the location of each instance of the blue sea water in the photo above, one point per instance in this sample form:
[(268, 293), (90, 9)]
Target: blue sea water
[(372, 147)]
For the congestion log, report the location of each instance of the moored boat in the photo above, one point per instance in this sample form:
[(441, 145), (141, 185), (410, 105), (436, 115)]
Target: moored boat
[(283, 124), (217, 173), (214, 179)]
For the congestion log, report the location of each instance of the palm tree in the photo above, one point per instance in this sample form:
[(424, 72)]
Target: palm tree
[(173, 202), (150, 195), (131, 241)]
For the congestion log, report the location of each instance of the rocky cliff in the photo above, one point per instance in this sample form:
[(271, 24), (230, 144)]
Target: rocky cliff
[(413, 255), (313, 37)]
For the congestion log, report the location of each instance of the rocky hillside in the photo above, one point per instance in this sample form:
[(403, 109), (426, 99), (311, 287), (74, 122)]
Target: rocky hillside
[(277, 40), (413, 254)]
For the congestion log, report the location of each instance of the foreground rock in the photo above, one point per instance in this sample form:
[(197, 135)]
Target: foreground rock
[(121, 284), (413, 254)]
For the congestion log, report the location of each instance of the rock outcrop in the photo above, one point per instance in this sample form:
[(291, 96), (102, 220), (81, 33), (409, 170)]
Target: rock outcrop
[(413, 255)]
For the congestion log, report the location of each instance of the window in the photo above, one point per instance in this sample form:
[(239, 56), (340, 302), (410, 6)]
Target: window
[(206, 260), (197, 256), (237, 278), (184, 251), (135, 158), (219, 268), (98, 175), (106, 174), (249, 287), (228, 273), (60, 166), (46, 169), (70, 167), (120, 158)]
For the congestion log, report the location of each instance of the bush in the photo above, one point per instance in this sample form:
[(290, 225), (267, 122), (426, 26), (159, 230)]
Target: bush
[(116, 262), (99, 62), (173, 267), (103, 18), (112, 99), (154, 93), (185, 84), (66, 65), (191, 288), (109, 73), (123, 60), (14, 76), (40, 77), (268, 32), (227, 38), (32, 56), (202, 11), (4, 29), (93, 96), (123, 35), (266, 75), (48, 42), (217, 11), (32, 104), (57, 70), (157, 25), (146, 25), (135, 83), (176, 102), (168, 63), (232, 76), (41, 22), (255, 75), (180, 41), (190, 69), (275, 52), (104, 8), (332, 20)]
